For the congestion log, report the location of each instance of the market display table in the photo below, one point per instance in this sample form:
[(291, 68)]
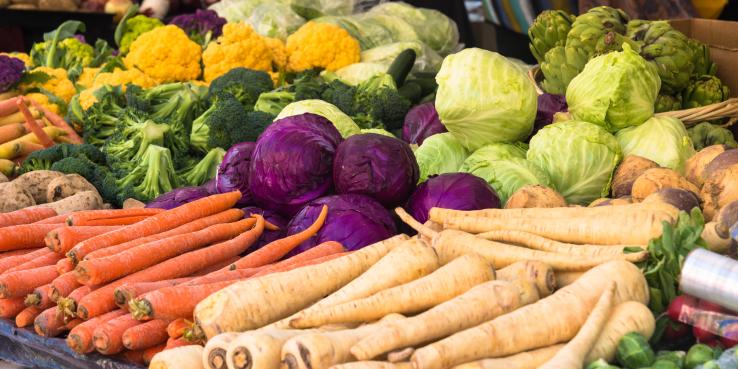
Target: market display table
[(25, 348)]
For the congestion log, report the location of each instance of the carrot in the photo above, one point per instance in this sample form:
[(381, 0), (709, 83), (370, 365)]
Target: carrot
[(629, 316), (80, 338), (102, 299), (573, 354), (445, 283), (134, 357), (540, 273), (176, 328), (323, 249), (9, 106), (149, 353), (9, 308), (220, 266), (275, 250), (41, 261), (25, 216), (287, 266), (57, 121), (11, 132), (376, 365), (72, 324), (226, 275), (143, 336), (214, 352), (251, 304), (113, 221), (476, 306), (18, 148), (63, 285), (49, 323), (523, 360), (98, 271), (23, 282), (64, 266), (571, 304), (158, 223), (174, 343), (108, 337), (24, 236), (158, 304), (8, 254), (564, 279), (227, 216), (68, 305), (62, 239), (129, 291), (79, 217), (26, 317), (34, 127), (13, 261), (60, 219), (40, 297), (183, 356)]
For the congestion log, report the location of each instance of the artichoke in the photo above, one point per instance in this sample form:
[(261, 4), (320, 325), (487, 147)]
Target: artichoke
[(548, 30), (669, 49), (706, 134), (667, 103), (590, 28), (704, 90), (701, 59), (561, 65)]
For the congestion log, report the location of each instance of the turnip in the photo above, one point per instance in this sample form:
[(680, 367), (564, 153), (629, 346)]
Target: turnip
[(696, 164), (535, 196), (625, 200), (629, 169), (722, 161), (679, 198), (720, 189), (717, 232), (656, 179)]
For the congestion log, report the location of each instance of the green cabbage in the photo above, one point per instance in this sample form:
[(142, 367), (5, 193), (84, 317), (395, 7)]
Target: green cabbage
[(615, 90), (484, 98), (340, 120), (317, 8), (274, 20), (663, 140), (509, 174), (492, 152), (370, 31), (431, 26), (440, 153), (359, 72), (579, 157)]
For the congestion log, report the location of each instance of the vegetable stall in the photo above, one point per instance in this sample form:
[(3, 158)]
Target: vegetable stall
[(269, 184)]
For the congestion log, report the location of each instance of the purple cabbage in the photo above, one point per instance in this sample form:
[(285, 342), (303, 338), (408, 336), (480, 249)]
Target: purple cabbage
[(271, 217), (378, 166), (353, 220), (548, 105), (459, 191), (292, 163), (11, 71), (421, 122), (199, 23), (181, 196), (233, 172)]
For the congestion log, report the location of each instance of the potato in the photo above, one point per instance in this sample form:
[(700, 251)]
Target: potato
[(133, 204), (14, 197), (629, 169), (717, 232), (656, 179), (720, 189), (67, 185), (85, 200), (535, 196), (679, 198), (697, 163), (37, 182), (723, 160), (3, 178), (611, 202)]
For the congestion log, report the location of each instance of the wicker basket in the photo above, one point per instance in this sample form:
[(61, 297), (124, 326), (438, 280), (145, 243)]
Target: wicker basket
[(690, 117)]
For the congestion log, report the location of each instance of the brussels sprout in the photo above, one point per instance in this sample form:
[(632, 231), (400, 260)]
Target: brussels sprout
[(601, 364), (634, 352), (664, 364), (698, 354), (676, 357)]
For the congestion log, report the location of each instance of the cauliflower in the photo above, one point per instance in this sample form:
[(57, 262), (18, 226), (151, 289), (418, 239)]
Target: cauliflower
[(58, 84), (44, 101), (321, 45), (239, 46), (87, 76), (165, 54), (279, 52), (18, 55), (135, 27), (117, 78), (68, 53)]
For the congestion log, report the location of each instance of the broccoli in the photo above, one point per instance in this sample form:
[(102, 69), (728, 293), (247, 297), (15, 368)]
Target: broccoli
[(378, 103), (102, 118), (205, 169), (341, 95), (43, 159), (151, 176), (97, 175), (245, 84), (308, 85), (223, 118), (273, 102), (132, 139)]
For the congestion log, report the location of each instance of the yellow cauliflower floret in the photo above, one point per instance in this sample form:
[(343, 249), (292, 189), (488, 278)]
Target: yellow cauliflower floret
[(321, 45), (22, 56), (87, 77), (279, 52), (165, 54), (87, 98), (123, 77), (44, 100), (238, 46), (58, 83)]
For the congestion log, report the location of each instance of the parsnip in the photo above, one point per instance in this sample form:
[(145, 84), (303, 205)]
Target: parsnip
[(564, 279), (214, 352), (524, 360), (541, 274), (259, 349), (629, 316), (184, 357), (373, 365), (440, 215)]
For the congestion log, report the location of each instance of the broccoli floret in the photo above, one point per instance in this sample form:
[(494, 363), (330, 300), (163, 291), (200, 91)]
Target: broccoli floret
[(273, 102), (76, 165), (255, 122), (341, 95), (308, 85), (97, 175), (152, 176), (43, 159), (132, 139), (245, 84), (205, 169), (101, 119), (214, 127), (89, 151), (378, 103)]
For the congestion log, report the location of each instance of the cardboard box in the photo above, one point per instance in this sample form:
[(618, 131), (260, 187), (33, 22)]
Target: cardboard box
[(722, 38)]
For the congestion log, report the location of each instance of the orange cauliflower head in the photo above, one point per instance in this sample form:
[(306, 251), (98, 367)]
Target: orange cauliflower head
[(165, 54), (321, 45), (238, 46)]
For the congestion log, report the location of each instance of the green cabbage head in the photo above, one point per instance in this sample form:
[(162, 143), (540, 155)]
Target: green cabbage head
[(484, 98), (509, 174), (579, 157), (615, 90), (440, 153), (663, 140), (343, 123), (493, 152)]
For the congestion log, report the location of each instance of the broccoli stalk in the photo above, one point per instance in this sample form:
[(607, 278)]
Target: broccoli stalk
[(273, 102), (205, 169), (152, 176), (132, 140)]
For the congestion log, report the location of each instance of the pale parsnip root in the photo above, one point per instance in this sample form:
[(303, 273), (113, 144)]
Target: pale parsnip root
[(440, 215), (185, 357), (373, 365), (524, 360), (629, 316), (214, 352), (530, 270), (564, 279), (259, 349)]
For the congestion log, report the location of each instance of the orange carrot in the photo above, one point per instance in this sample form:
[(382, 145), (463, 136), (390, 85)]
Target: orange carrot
[(68, 305), (177, 327), (225, 275), (40, 297), (151, 352), (134, 357), (41, 261), (80, 338), (13, 261), (60, 219), (63, 239), (158, 223), (130, 291), (49, 323), (9, 106), (221, 266), (11, 132), (143, 336), (9, 308), (34, 127), (25, 216), (108, 337), (64, 266), (275, 250), (98, 271), (8, 254), (102, 300), (159, 304), (72, 324), (57, 121), (227, 216), (178, 342), (323, 249), (83, 216), (27, 316), (24, 236), (23, 282), (283, 267), (124, 221), (63, 285)]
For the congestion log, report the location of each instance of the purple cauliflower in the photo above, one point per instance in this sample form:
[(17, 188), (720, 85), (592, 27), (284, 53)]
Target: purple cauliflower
[(201, 26), (11, 71)]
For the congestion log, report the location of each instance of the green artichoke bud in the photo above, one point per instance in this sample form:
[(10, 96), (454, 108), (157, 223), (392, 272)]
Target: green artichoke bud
[(667, 103), (676, 357), (635, 25), (548, 30), (704, 90), (634, 352), (669, 49), (591, 27), (697, 355), (600, 364), (561, 65), (706, 134), (702, 63)]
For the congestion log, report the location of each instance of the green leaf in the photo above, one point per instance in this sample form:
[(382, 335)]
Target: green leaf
[(121, 29), (103, 52), (35, 77), (65, 30), (56, 100), (112, 64)]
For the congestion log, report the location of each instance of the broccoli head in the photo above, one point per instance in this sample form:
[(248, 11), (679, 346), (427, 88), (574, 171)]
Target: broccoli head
[(203, 170), (224, 117), (377, 103), (308, 85), (43, 159), (273, 102), (244, 84), (101, 119), (151, 176), (132, 139), (97, 175), (341, 95)]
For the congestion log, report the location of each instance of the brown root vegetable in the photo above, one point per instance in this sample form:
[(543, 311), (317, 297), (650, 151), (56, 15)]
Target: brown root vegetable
[(3, 178), (37, 182), (657, 179), (717, 233), (695, 165), (679, 198), (133, 204), (85, 200), (629, 169), (67, 185), (720, 189), (535, 196), (14, 197), (724, 160), (625, 200)]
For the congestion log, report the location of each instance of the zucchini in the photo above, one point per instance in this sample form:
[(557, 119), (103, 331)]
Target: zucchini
[(401, 66)]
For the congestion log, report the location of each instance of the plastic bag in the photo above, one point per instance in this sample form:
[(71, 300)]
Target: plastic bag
[(311, 9)]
